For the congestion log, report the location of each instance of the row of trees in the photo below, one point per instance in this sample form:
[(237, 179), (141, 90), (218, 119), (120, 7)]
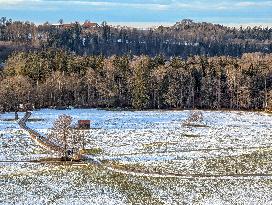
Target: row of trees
[(60, 78), (185, 38)]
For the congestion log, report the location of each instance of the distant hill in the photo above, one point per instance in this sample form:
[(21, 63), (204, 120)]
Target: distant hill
[(185, 38)]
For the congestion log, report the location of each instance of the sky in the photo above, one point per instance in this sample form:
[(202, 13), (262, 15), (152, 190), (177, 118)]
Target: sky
[(140, 13)]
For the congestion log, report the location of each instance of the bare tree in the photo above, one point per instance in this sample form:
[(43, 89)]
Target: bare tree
[(61, 21), (194, 117), (66, 136)]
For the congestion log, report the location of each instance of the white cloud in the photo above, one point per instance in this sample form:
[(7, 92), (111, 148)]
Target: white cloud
[(152, 6), (15, 4), (19, 4), (254, 4)]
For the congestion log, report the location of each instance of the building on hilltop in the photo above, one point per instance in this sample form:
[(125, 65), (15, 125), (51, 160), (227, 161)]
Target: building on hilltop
[(88, 25), (64, 26)]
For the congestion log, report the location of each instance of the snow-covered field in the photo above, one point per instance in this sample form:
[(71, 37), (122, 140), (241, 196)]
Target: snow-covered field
[(152, 157)]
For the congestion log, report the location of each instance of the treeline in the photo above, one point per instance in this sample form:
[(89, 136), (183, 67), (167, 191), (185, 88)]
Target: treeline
[(60, 78), (185, 38)]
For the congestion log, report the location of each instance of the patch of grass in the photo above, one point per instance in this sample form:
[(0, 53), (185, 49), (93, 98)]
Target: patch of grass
[(18, 132), (158, 144), (122, 145), (245, 163), (39, 151), (269, 112), (8, 120), (194, 125), (136, 168), (127, 167), (29, 120), (132, 188), (190, 135), (93, 151), (35, 120), (48, 159)]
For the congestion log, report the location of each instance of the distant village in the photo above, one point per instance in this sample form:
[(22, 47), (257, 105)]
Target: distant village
[(85, 25)]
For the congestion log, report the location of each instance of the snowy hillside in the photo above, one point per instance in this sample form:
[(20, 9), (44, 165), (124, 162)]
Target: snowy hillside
[(226, 155)]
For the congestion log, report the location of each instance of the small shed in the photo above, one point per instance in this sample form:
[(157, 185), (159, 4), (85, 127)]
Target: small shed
[(84, 124)]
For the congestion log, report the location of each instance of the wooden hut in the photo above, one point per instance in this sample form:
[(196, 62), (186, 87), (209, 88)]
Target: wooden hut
[(84, 124)]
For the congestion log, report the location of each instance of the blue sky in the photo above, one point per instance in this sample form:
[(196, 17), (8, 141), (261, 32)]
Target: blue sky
[(140, 12)]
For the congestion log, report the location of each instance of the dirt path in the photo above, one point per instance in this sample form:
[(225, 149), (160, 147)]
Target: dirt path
[(148, 174), (188, 176), (39, 139)]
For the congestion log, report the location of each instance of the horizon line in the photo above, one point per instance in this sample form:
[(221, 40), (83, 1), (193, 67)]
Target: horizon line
[(153, 24)]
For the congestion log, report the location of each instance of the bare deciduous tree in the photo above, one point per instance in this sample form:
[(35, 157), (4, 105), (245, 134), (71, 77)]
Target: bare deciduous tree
[(194, 117), (64, 135)]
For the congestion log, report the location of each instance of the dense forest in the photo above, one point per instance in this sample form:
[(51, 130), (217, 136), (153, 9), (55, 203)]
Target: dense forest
[(184, 39), (187, 65), (57, 77)]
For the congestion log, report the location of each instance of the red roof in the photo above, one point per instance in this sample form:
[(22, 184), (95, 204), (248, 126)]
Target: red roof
[(84, 121), (89, 24), (67, 25)]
